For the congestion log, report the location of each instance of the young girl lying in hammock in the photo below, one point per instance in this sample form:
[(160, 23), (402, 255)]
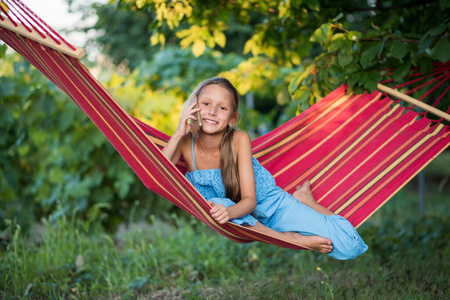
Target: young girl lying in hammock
[(221, 167)]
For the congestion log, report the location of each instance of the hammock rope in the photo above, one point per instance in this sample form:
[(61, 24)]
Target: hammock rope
[(357, 150), (22, 20)]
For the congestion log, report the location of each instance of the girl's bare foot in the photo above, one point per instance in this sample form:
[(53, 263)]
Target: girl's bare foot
[(304, 194), (312, 242)]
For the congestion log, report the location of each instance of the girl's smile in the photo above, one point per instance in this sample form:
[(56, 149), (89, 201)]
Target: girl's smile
[(209, 121)]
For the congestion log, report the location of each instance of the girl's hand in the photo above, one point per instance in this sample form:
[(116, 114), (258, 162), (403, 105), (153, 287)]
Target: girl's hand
[(219, 213), (183, 127)]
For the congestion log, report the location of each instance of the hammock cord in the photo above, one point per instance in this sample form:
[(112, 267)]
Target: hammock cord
[(373, 142), (429, 83), (24, 16)]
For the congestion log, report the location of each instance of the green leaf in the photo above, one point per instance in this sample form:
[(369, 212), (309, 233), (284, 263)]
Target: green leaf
[(124, 183), (439, 30), (426, 66), (333, 81), (65, 119), (369, 55), (294, 83), (3, 48), (7, 88), (442, 50), (397, 34), (6, 118), (339, 42), (345, 59), (55, 175), (334, 70), (370, 85), (425, 43), (352, 68), (320, 35), (140, 3), (298, 80), (363, 78), (375, 76), (402, 71), (354, 36), (338, 17), (398, 49), (445, 3), (301, 95), (313, 4), (380, 51), (358, 90), (76, 188), (415, 58)]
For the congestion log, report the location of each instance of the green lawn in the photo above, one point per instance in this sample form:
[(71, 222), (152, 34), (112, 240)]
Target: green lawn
[(408, 258)]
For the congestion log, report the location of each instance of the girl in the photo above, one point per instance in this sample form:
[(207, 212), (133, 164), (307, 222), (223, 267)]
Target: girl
[(220, 165)]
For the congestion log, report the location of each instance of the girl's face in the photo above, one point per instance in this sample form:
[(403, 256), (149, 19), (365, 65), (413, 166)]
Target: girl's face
[(217, 110)]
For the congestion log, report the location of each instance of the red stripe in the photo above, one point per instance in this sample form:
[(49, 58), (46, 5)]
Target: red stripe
[(324, 133)]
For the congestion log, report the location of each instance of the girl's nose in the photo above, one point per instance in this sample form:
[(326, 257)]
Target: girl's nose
[(212, 111)]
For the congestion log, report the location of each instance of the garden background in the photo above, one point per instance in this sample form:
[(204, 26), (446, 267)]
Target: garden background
[(75, 221)]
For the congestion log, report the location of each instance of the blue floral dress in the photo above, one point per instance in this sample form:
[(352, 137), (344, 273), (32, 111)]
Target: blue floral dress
[(282, 212)]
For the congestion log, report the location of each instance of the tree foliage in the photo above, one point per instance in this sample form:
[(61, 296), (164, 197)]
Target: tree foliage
[(118, 28), (315, 45), (54, 161), (287, 53)]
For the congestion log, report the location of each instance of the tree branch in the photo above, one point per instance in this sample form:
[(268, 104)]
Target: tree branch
[(380, 7), (389, 40)]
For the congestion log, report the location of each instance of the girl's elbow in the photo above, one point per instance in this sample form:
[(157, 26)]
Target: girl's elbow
[(252, 205)]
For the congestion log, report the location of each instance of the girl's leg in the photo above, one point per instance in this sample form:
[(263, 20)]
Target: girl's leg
[(312, 242), (304, 194)]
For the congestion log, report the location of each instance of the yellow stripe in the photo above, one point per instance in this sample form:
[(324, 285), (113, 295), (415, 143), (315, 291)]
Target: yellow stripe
[(299, 132), (172, 178), (324, 140), (42, 62), (351, 147), (402, 185), (167, 172), (286, 129), (386, 170), (68, 77), (364, 161), (50, 71)]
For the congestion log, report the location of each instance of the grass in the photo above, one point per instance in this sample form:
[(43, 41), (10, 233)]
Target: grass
[(183, 259)]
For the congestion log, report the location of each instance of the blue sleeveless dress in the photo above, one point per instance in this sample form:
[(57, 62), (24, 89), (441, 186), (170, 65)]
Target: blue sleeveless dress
[(280, 211)]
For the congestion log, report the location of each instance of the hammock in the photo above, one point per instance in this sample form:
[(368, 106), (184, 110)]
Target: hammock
[(357, 150)]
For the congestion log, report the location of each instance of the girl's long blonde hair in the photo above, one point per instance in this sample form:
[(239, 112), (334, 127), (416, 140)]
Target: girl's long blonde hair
[(228, 154)]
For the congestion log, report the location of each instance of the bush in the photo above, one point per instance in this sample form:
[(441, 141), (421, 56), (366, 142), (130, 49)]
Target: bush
[(53, 160)]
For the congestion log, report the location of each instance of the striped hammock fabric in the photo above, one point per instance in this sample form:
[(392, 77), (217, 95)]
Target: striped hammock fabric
[(357, 150)]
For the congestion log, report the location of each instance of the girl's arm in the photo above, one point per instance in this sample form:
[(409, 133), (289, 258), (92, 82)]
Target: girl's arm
[(172, 150), (247, 183)]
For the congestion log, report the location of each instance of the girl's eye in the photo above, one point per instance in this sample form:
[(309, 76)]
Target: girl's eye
[(223, 108)]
